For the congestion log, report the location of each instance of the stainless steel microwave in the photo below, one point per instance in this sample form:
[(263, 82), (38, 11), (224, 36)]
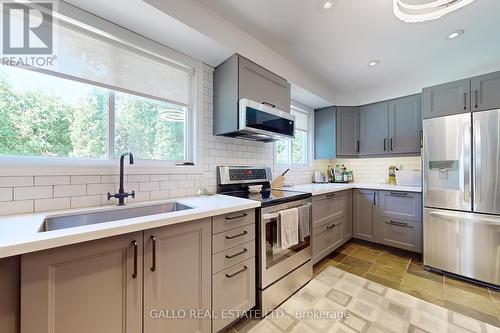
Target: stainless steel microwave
[(264, 123)]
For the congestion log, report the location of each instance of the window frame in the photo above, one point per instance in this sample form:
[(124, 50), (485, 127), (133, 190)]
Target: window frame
[(309, 112), (39, 165)]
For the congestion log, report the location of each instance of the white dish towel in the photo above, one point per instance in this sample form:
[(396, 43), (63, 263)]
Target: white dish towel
[(304, 219), (289, 228)]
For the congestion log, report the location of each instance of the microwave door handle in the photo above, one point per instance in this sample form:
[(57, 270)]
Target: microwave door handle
[(467, 160)]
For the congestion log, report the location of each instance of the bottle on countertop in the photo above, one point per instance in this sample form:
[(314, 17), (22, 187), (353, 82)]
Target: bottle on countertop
[(329, 174)]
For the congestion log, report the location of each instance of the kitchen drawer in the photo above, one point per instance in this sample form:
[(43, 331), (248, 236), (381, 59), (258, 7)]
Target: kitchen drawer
[(327, 207), (400, 205), (400, 233), (231, 221), (327, 238), (233, 289), (232, 256), (231, 238)]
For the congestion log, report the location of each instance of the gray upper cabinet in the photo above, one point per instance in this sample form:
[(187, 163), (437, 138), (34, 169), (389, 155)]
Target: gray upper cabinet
[(405, 125), (347, 131), (485, 92), (260, 85), (446, 99), (324, 133), (374, 129)]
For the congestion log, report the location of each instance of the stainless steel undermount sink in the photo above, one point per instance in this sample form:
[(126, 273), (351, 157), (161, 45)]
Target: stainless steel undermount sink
[(81, 219)]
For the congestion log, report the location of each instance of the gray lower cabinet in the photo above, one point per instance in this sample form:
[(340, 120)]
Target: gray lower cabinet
[(9, 291), (324, 133), (446, 99), (348, 227), (327, 207), (327, 238), (374, 129), (347, 126), (89, 287), (365, 214), (177, 276), (402, 234), (400, 205), (233, 267), (485, 92), (332, 222), (405, 125)]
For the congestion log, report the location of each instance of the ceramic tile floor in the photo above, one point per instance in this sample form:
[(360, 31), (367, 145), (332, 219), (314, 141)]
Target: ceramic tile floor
[(404, 271)]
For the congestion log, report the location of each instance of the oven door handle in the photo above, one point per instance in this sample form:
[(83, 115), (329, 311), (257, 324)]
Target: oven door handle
[(275, 215)]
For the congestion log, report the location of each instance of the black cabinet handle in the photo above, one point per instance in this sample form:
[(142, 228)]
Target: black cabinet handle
[(134, 245), (269, 104), (331, 195), (236, 254), (236, 217), (385, 144), (399, 224), (374, 198), (391, 144), (357, 149), (153, 244), (331, 226), (238, 235), (238, 272), (465, 101), (399, 194), (476, 97), (421, 138)]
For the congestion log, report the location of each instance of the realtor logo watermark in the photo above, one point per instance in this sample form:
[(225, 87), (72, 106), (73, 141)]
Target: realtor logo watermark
[(28, 33)]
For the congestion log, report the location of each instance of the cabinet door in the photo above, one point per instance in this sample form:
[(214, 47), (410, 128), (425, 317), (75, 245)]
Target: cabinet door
[(401, 234), (89, 287), (9, 289), (262, 86), (327, 208), (446, 99), (324, 133), (405, 124), (400, 205), (347, 131), (177, 276), (374, 129), (347, 215), (327, 239), (365, 217), (485, 91)]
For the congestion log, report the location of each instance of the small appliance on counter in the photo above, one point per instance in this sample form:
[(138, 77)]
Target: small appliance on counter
[(319, 177), (339, 175)]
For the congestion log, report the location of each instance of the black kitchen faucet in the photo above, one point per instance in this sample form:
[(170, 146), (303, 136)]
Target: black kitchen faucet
[(121, 195)]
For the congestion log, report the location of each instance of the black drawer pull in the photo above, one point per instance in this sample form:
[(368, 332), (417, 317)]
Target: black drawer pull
[(236, 217), (153, 245), (236, 273), (134, 245), (236, 254), (400, 224), (331, 195), (238, 235), (399, 194), (331, 226)]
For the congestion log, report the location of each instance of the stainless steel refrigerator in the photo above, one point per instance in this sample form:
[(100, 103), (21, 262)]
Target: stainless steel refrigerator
[(462, 194)]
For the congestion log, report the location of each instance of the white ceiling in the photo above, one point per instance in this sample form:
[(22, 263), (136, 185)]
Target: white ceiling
[(336, 46)]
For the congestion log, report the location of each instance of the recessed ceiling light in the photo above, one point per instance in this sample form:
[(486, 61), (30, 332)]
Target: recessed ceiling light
[(455, 34), (326, 5), (373, 63)]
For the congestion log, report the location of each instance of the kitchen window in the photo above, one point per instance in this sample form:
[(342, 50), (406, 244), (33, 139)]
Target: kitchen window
[(297, 151), (102, 97)]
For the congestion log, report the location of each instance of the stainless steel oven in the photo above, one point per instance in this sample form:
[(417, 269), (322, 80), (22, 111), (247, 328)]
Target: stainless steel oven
[(282, 271)]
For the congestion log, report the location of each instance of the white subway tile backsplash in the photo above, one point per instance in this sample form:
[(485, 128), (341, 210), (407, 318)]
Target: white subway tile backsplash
[(86, 201), (159, 177), (6, 194), (85, 179), (16, 181), (149, 186), (69, 190), (16, 207), (110, 178), (33, 192), (52, 180), (137, 178), (168, 185), (42, 205), (159, 195), (100, 189)]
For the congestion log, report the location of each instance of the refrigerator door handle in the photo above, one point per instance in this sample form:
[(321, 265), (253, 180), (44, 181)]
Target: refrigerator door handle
[(477, 161), (486, 220), (467, 161)]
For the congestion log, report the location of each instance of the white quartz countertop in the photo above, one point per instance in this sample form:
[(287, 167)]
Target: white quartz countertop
[(19, 233), (318, 189)]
